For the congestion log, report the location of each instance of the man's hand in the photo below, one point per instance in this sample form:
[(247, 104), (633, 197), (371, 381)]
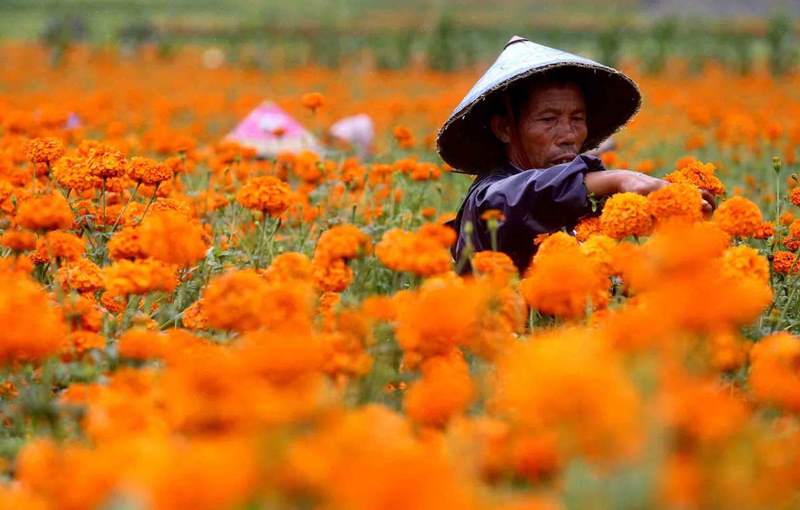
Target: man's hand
[(619, 181)]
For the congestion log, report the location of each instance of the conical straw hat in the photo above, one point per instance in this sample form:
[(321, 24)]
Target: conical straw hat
[(466, 141)]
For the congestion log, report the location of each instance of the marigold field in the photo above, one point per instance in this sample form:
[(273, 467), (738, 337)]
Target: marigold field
[(185, 325)]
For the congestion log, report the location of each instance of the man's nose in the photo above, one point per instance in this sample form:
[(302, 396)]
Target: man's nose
[(567, 133)]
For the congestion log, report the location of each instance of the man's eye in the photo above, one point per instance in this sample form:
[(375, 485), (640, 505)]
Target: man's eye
[(547, 119)]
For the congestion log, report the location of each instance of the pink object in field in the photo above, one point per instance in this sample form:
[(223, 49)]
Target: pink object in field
[(270, 130), (357, 130)]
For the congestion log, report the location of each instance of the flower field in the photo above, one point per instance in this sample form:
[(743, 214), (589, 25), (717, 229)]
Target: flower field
[(186, 325)]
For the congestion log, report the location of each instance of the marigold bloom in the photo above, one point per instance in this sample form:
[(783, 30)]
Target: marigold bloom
[(18, 240), (744, 262), (194, 316), (404, 137), (78, 343), (699, 174), (459, 306), (126, 277), (494, 264), (626, 214), (126, 244), (60, 245), (141, 344), (105, 162), (569, 381), (564, 284), (287, 267), (45, 212), (792, 240), (785, 262), (37, 329), (794, 196), (588, 227), (773, 375), (600, 251), (424, 252), (764, 231), (172, 238), (738, 216), (44, 150), (332, 275), (81, 275), (149, 172), (267, 194), (341, 242), (444, 391), (679, 201), (312, 100)]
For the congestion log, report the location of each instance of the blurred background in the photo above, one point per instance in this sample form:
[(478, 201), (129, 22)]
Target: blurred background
[(439, 34)]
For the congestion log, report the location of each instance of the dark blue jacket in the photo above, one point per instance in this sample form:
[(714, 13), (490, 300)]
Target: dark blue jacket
[(532, 202)]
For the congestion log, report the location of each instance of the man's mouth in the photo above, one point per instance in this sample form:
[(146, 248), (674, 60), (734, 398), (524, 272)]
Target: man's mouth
[(564, 159)]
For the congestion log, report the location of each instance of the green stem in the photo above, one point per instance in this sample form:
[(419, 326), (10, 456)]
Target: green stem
[(125, 208)]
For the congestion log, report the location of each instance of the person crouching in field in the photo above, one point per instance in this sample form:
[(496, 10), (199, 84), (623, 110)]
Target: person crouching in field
[(525, 129)]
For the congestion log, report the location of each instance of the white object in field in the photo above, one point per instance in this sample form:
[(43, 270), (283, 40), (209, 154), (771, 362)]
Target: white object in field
[(270, 130), (356, 130)]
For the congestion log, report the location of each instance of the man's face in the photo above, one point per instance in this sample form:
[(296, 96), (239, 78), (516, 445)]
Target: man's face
[(552, 124)]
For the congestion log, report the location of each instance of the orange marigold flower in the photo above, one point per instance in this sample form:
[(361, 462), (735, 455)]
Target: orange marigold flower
[(194, 316), (680, 201), (404, 137), (564, 284), (45, 212), (459, 305), (494, 264), (774, 377), (341, 241), (426, 172), (148, 171), (81, 275), (312, 100), (587, 227), (126, 277), (738, 216), (764, 231), (786, 218), (172, 238), (60, 245), (105, 162), (141, 344), (44, 150), (792, 240), (267, 194), (73, 174), (78, 343), (698, 174), (785, 262), (287, 267), (332, 275), (600, 251), (492, 214), (444, 391), (423, 253), (37, 328), (794, 196), (739, 262), (126, 244), (18, 240), (626, 214), (554, 381)]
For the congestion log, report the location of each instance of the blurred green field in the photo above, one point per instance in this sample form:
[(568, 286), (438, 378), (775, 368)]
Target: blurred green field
[(446, 34)]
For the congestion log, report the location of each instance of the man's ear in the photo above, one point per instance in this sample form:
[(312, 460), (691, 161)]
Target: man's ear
[(500, 128)]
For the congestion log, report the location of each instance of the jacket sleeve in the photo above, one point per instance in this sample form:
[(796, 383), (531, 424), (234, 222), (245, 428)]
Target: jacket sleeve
[(538, 201)]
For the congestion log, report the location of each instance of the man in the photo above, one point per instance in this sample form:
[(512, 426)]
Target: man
[(525, 129)]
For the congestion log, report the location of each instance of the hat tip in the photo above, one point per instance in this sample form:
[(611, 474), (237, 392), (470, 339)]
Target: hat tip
[(515, 39)]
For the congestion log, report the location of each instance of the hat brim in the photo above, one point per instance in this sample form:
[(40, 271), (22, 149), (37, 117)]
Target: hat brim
[(466, 141)]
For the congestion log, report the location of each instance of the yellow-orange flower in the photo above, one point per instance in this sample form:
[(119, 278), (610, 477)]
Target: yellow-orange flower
[(267, 194), (172, 238), (126, 277), (45, 150), (774, 377), (626, 214), (738, 216), (45, 212), (149, 172), (680, 201)]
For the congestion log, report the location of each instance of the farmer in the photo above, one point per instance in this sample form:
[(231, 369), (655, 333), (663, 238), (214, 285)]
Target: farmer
[(524, 129)]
